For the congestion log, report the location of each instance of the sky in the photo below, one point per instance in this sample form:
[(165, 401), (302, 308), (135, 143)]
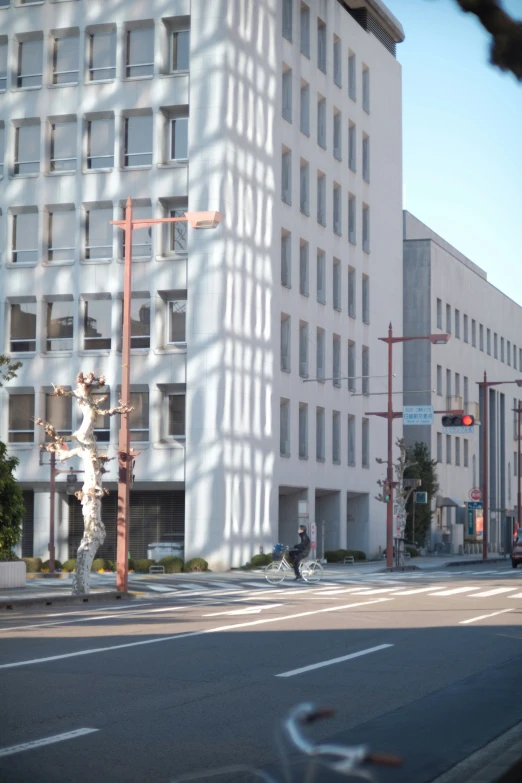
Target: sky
[(462, 137)]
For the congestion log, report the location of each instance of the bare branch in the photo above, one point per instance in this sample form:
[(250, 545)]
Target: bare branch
[(506, 33)]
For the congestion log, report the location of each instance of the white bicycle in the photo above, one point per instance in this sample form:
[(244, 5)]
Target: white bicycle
[(276, 572)]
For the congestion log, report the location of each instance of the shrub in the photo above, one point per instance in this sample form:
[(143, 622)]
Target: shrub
[(142, 566), (261, 560), (132, 564), (47, 565), (101, 564), (338, 555), (172, 564), (8, 556), (196, 564), (414, 552), (69, 565), (33, 564)]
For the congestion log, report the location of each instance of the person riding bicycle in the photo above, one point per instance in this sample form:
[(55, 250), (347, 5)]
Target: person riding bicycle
[(300, 551)]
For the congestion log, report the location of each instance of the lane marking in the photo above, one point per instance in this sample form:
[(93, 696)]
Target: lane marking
[(484, 616), (174, 637), (245, 610), (88, 611), (496, 591), (96, 617), (420, 590), (48, 741), (517, 595), (454, 591), (334, 660)]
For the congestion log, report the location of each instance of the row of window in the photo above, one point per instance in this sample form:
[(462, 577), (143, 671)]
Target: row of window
[(337, 277), (453, 390), (321, 205), (323, 55), (306, 348), (49, 325), (322, 135), (457, 456), (285, 434), (61, 413), (509, 354), (61, 142), (54, 58), (61, 224)]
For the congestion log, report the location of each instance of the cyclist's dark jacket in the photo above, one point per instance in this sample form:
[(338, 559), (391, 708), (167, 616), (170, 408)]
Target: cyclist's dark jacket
[(304, 545)]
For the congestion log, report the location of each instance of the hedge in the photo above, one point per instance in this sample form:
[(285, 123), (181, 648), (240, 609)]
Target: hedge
[(414, 552), (101, 563), (338, 555), (261, 560), (196, 564), (33, 564), (172, 564), (46, 564), (142, 566), (69, 565), (8, 556)]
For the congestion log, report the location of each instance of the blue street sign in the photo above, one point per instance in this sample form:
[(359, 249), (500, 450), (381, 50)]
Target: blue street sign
[(471, 521), (458, 430), (417, 415), (474, 504), (421, 497)]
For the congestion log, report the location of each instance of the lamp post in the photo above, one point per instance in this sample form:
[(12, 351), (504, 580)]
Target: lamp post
[(71, 477), (125, 453), (518, 411)]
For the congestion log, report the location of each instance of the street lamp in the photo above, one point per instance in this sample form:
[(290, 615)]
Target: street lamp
[(71, 489), (125, 453)]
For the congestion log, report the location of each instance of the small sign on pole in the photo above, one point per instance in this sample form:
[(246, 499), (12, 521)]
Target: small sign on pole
[(421, 497), (313, 535), (475, 494), (417, 415)]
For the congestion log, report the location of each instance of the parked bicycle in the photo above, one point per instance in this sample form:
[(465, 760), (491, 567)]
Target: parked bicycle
[(302, 760), (276, 572)]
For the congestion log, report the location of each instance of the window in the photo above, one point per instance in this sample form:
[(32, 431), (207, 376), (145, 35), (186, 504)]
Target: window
[(66, 60), (366, 89), (2, 148), (495, 345), (336, 284), (366, 299), (179, 138), (63, 146), (285, 343), (98, 233), (448, 385), (139, 416), (439, 447), (466, 390), (337, 143), (23, 327), (351, 366), (319, 434), (457, 384), (351, 440), (439, 380), (177, 418), (466, 331), (515, 356), (287, 19), (284, 428), (180, 46), (140, 53), (457, 452), (365, 370), (352, 150), (366, 228), (286, 259), (336, 437), (304, 285), (488, 341), (321, 45), (366, 158), (30, 63), (481, 337), (102, 56), (97, 325), (138, 141), (457, 323), (305, 108), (27, 149), (58, 411), (337, 209), (3, 63), (304, 187), (351, 218), (21, 416), (320, 354), (448, 318), (61, 236), (352, 299), (466, 453), (141, 237), (366, 443), (520, 358), (100, 143), (177, 322), (177, 232), (508, 352), (352, 76), (140, 322), (501, 349), (102, 428), (337, 62), (448, 449), (473, 333), (439, 314), (303, 349), (321, 277), (25, 238), (287, 95), (60, 325), (321, 198), (303, 430), (305, 30), (336, 360), (286, 176), (321, 122)]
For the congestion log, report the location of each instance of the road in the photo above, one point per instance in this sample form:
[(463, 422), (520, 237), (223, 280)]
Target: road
[(197, 678)]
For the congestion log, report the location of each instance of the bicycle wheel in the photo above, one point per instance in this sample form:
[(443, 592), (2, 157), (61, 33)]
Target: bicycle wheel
[(312, 571), (274, 573)]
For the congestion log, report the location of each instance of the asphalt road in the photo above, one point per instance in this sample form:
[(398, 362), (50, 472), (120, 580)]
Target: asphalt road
[(179, 682)]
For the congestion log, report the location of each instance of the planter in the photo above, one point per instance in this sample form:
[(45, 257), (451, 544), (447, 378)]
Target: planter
[(12, 574)]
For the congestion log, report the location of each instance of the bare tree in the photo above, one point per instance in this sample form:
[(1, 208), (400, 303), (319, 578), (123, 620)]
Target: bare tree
[(506, 33), (94, 465)]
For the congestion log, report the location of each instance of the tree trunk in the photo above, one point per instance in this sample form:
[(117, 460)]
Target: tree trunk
[(93, 538)]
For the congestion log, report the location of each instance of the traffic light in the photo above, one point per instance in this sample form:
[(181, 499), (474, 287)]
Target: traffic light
[(458, 421), (386, 492)]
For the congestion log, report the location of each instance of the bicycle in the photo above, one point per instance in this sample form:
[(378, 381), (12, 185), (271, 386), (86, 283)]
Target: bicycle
[(275, 573), (331, 762)]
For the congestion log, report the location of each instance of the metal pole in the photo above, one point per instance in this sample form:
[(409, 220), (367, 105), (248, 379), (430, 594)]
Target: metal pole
[(485, 477), (413, 520), (124, 460), (389, 472), (519, 482), (52, 489), (323, 525)]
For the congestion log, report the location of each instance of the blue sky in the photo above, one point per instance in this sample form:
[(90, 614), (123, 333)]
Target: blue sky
[(462, 137)]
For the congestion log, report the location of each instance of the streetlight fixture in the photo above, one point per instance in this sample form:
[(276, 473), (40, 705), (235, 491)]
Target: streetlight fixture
[(126, 454)]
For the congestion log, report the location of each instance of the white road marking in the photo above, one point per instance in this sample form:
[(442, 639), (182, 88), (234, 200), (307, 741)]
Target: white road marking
[(245, 610), (496, 591), (419, 590), (94, 617), (174, 637), (161, 589), (484, 616), (48, 741), (453, 591), (333, 660), (517, 595)]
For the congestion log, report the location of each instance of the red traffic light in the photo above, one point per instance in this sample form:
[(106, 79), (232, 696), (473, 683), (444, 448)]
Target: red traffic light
[(458, 421), (467, 420)]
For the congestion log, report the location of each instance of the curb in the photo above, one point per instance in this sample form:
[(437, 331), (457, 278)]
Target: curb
[(477, 562), (33, 601)]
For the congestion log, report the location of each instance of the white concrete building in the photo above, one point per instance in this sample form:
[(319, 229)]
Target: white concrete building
[(286, 118), (446, 292)]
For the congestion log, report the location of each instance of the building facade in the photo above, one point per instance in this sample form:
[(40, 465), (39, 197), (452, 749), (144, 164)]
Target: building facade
[(284, 117), (446, 292)]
